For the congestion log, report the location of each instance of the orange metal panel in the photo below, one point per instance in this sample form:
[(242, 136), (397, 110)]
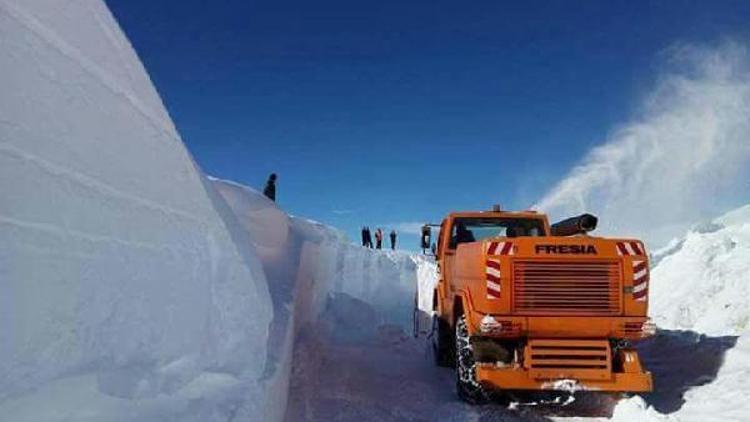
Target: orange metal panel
[(631, 363), (573, 343), (543, 360), (519, 379)]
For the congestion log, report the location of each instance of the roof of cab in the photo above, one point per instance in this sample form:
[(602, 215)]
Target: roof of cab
[(499, 214)]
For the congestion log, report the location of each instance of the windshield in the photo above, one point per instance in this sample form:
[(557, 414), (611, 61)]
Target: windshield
[(474, 229)]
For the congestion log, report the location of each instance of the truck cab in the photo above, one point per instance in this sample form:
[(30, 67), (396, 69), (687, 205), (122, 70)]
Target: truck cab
[(524, 305)]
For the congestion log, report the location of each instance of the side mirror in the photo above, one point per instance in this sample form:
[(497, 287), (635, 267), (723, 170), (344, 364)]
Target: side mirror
[(426, 238)]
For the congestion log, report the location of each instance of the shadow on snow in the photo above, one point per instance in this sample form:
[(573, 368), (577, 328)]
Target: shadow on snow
[(352, 366), (680, 360)]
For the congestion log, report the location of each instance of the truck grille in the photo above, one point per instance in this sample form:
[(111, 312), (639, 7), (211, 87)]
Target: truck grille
[(568, 288), (577, 359)]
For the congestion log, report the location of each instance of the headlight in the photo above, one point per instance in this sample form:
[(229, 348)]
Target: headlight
[(648, 328), (489, 325)]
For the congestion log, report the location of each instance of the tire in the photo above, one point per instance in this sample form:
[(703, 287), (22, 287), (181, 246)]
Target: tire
[(442, 343), (467, 387)]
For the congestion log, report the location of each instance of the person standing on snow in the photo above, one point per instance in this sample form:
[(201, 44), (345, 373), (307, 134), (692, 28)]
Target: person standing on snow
[(270, 189), (379, 239), (393, 239), (364, 236), (368, 238)]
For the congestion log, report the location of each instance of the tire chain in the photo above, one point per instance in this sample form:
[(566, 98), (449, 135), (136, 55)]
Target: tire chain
[(466, 366)]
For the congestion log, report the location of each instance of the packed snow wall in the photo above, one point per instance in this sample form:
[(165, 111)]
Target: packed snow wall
[(122, 272), (305, 264)]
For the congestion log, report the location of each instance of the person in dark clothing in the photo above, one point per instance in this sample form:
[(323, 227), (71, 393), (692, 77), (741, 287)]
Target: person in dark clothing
[(364, 236), (368, 238), (378, 239), (393, 239), (463, 235), (270, 189)]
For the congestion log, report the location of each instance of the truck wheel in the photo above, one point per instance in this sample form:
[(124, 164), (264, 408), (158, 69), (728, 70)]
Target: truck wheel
[(442, 343), (467, 387)]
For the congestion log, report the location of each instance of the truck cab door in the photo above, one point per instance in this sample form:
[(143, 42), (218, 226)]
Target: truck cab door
[(446, 262)]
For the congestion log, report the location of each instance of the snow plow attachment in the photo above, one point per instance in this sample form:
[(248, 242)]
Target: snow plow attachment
[(569, 365)]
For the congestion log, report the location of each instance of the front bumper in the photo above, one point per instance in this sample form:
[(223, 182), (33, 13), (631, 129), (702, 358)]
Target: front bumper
[(569, 365), (495, 377)]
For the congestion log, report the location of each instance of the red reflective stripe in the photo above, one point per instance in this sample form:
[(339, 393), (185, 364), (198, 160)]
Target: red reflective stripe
[(492, 250), (506, 248), (622, 249), (493, 278), (494, 264), (640, 267), (494, 293), (642, 293), (639, 281), (636, 248)]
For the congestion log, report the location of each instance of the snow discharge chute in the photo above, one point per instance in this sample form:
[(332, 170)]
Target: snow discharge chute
[(583, 223), (679, 159)]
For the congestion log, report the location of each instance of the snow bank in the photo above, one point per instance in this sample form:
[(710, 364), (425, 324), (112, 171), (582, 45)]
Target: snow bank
[(701, 283), (387, 280), (125, 282), (305, 263)]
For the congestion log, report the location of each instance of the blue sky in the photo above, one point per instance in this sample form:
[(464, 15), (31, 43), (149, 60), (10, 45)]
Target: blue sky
[(389, 112)]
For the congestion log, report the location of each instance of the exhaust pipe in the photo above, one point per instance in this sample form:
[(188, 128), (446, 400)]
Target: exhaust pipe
[(583, 223)]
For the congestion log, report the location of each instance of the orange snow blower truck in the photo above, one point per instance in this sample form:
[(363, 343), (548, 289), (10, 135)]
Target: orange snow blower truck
[(524, 305)]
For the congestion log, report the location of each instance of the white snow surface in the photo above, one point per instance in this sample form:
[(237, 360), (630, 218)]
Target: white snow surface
[(120, 268), (702, 284)]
